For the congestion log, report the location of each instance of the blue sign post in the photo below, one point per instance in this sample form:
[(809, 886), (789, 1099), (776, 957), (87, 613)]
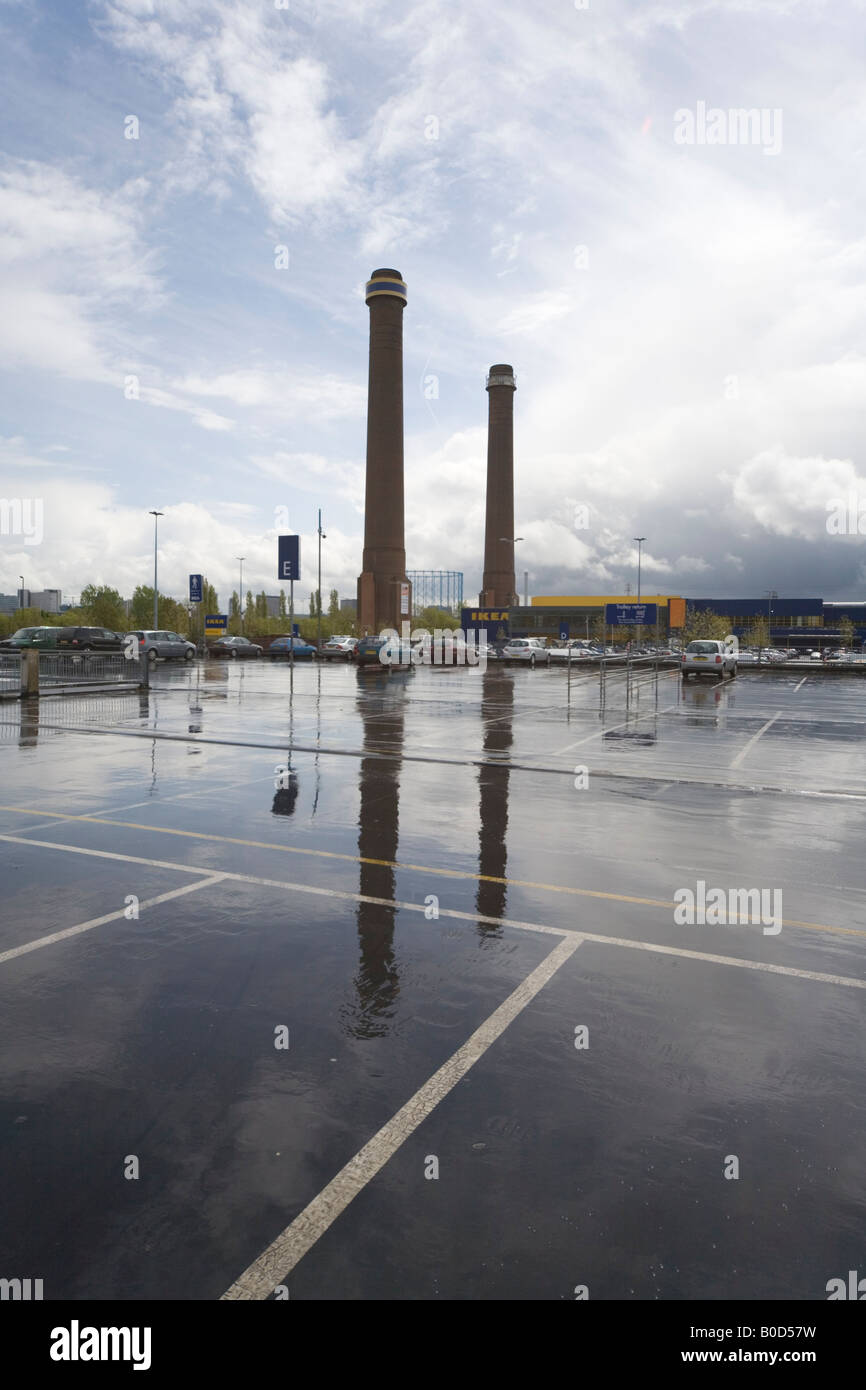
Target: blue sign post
[(289, 567), (288, 557), (630, 614), (563, 631), (195, 588)]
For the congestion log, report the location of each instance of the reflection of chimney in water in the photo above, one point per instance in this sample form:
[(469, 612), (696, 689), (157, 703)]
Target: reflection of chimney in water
[(377, 981), (497, 710)]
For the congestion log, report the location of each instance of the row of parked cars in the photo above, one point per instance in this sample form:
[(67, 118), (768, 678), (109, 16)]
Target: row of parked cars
[(149, 642)]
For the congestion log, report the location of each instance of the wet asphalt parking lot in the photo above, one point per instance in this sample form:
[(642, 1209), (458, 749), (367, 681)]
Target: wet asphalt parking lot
[(413, 1017)]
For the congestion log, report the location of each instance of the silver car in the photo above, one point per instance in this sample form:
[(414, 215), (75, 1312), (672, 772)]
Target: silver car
[(708, 657), (153, 642), (529, 649)]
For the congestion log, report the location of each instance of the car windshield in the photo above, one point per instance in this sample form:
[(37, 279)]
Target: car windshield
[(703, 647), (24, 632)]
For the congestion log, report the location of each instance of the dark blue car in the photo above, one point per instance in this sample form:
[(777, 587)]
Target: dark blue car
[(281, 647)]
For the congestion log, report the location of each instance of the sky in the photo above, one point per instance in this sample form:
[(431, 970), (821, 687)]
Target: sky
[(194, 192)]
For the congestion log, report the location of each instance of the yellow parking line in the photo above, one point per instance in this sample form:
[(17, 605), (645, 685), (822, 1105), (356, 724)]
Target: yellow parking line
[(403, 864)]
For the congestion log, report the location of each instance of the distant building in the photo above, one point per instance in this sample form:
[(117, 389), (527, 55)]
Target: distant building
[(49, 600), (8, 603), (348, 605), (273, 602)]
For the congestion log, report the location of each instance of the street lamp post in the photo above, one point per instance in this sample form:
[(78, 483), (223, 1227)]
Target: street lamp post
[(322, 537), (241, 591), (512, 540), (156, 516), (640, 540), (771, 594)]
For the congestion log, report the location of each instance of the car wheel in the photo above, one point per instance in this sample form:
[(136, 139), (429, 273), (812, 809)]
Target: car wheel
[(532, 662), (234, 655), (188, 655), (151, 656)]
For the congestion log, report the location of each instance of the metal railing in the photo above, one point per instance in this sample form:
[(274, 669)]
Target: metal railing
[(10, 672), (86, 668)]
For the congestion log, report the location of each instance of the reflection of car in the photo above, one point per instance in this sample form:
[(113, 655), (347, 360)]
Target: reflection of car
[(340, 646), (234, 647), (88, 639), (154, 642), (528, 649), (44, 638), (708, 657), (282, 647)]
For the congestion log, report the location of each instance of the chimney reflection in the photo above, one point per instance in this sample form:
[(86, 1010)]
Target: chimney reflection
[(381, 706), (497, 712)]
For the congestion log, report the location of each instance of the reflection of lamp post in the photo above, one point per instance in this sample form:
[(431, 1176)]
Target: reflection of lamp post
[(156, 516)]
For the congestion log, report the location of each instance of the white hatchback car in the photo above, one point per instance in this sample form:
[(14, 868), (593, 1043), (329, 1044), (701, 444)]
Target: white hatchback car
[(708, 657), (530, 649)]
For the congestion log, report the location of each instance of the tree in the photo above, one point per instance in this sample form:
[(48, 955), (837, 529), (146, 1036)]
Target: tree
[(758, 633), (102, 606), (333, 605), (846, 632), (261, 605), (283, 609), (703, 622), (433, 617), (170, 615)]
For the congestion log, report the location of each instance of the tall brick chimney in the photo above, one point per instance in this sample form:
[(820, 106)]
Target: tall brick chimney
[(383, 601), (498, 584)]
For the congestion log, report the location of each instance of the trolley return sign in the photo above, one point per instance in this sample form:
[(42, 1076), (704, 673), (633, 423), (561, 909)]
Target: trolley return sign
[(630, 614)]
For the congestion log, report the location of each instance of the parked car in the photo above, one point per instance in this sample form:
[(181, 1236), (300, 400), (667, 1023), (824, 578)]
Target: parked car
[(814, 656), (340, 647), (153, 642), (234, 647), (88, 639), (43, 638), (281, 648), (529, 649), (574, 650), (708, 657)]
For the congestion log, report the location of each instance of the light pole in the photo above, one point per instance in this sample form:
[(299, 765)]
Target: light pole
[(156, 516), (771, 594), (512, 540), (322, 537), (241, 592), (21, 598), (640, 540)]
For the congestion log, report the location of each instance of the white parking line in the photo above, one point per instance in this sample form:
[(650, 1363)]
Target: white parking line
[(43, 941), (517, 925), (259, 1280), (753, 740), (802, 682)]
